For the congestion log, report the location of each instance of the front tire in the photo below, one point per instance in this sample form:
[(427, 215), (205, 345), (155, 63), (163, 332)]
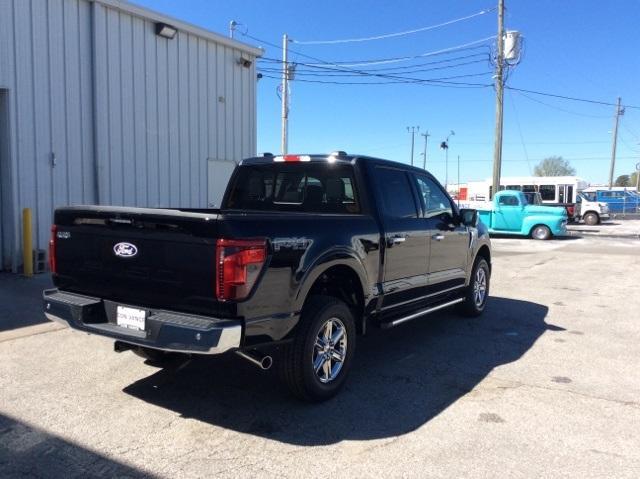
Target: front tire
[(591, 219), (477, 292), (315, 366), (541, 232)]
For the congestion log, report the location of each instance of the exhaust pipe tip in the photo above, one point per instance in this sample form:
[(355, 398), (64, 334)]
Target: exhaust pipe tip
[(264, 362)]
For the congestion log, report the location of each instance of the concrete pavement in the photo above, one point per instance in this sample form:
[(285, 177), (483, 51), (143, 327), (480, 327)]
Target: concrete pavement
[(544, 384)]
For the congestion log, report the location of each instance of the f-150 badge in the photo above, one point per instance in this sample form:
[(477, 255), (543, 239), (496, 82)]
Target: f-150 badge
[(295, 244)]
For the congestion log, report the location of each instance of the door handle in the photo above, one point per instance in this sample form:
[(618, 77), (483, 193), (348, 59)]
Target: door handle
[(437, 237), (397, 239)]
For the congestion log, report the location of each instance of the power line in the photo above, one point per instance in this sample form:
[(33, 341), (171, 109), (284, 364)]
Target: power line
[(524, 147), (474, 45), (536, 142), (597, 102), (330, 65), (392, 35), (594, 158), (312, 67), (624, 125), (325, 73), (431, 81), (560, 108), (634, 149)]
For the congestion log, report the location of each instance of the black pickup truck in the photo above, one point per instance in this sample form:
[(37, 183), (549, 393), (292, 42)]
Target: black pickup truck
[(306, 252)]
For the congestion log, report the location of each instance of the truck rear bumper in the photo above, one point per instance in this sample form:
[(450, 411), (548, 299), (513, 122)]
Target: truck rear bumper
[(163, 330)]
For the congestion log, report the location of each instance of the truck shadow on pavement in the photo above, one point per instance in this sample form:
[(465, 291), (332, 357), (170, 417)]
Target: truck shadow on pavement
[(27, 451), (401, 379)]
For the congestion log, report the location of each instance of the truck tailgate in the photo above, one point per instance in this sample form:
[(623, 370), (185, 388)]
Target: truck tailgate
[(152, 257)]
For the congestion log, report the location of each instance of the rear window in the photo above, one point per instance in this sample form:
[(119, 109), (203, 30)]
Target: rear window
[(304, 187)]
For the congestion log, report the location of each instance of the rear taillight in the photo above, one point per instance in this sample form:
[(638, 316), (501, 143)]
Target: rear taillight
[(52, 249), (238, 265)]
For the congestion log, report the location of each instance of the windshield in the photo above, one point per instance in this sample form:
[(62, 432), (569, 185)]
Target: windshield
[(302, 187)]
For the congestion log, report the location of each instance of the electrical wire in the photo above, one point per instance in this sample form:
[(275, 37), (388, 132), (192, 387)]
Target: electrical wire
[(572, 98), (634, 149), (487, 160), (329, 65), (559, 108), (344, 67), (474, 45), (524, 147), (311, 67), (393, 35), (624, 125), (345, 74), (431, 81)]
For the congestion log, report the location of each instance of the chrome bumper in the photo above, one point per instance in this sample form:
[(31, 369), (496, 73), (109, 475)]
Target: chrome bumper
[(164, 330)]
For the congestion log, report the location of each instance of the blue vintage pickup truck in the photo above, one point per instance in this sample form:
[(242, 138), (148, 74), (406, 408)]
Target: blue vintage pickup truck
[(510, 213)]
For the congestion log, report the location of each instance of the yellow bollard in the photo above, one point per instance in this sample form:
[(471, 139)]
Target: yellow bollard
[(27, 242)]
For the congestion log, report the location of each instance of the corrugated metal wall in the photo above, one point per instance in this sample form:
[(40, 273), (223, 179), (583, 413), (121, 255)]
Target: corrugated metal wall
[(102, 110)]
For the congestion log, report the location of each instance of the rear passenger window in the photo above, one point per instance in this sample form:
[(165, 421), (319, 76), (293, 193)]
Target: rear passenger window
[(395, 191)]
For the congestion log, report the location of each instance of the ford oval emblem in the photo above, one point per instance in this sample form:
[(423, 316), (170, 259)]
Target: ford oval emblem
[(125, 250)]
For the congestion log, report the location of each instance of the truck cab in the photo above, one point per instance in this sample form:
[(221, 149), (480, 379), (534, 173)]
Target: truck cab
[(588, 209), (511, 213)]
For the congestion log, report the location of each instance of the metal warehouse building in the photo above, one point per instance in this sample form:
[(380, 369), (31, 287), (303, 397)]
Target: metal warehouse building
[(104, 102)]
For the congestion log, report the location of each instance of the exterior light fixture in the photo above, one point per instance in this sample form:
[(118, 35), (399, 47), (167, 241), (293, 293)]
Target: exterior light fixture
[(165, 30), (245, 61)]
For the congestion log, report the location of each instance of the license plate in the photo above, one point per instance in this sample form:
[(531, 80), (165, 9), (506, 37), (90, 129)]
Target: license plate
[(131, 318)]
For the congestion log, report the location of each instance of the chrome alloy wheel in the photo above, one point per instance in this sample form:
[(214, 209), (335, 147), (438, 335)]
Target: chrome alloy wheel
[(329, 350), (480, 287), (540, 232)]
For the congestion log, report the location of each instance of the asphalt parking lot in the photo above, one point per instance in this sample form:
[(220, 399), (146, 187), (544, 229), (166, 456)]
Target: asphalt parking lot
[(546, 383)]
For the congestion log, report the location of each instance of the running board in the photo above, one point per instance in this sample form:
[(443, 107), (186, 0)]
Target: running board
[(422, 312)]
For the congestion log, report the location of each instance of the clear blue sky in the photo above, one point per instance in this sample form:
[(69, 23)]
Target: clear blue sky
[(582, 48)]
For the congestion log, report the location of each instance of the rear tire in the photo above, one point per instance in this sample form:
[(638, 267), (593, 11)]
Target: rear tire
[(314, 369), (591, 219), (477, 292), (541, 232)]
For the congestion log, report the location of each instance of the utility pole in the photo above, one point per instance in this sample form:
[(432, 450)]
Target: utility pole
[(285, 95), (499, 85), (616, 120), (412, 130), (424, 155)]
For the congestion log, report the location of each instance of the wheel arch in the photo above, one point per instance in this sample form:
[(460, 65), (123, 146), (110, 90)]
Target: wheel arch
[(484, 252), (342, 278)]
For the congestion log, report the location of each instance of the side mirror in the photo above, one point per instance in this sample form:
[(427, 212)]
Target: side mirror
[(468, 217)]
